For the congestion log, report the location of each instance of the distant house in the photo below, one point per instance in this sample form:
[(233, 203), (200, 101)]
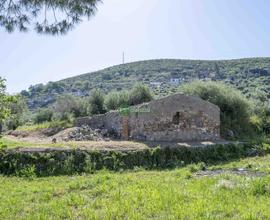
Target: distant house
[(155, 84), (174, 81), (212, 75)]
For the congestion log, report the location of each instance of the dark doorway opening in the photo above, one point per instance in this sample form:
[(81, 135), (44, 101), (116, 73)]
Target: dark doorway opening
[(176, 118)]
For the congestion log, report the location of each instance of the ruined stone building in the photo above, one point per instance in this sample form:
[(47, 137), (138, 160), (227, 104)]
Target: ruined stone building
[(174, 118)]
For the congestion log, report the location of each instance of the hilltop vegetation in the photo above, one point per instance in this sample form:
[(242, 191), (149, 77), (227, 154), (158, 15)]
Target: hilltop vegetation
[(163, 76)]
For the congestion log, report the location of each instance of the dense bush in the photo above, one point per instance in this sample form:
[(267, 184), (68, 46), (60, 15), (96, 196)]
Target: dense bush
[(67, 107), (116, 100), (96, 103), (139, 94), (235, 108), (60, 162), (112, 101), (43, 115), (2, 146), (5, 100), (19, 113), (261, 114)]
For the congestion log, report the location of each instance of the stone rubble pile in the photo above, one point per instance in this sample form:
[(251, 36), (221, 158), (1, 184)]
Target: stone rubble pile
[(85, 133)]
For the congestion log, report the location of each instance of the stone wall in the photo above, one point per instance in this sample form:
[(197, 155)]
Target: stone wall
[(174, 118)]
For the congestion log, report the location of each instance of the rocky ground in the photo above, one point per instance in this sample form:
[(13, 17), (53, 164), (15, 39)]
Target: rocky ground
[(86, 138), (85, 133)]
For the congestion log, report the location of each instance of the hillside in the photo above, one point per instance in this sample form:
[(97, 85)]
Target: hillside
[(163, 76)]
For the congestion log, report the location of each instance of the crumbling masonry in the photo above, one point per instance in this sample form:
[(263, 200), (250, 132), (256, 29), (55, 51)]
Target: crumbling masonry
[(174, 118)]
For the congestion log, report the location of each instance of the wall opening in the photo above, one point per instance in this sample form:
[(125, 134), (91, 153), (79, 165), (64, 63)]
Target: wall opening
[(176, 118), (125, 129)]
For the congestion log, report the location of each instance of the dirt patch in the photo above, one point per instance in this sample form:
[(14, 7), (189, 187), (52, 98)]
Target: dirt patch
[(40, 134), (80, 137), (85, 133), (19, 134), (165, 144), (88, 146)]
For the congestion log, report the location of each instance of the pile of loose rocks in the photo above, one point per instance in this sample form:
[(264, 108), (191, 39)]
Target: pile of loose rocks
[(85, 133)]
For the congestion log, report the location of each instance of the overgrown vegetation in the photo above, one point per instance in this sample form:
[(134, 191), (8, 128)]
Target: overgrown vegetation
[(174, 194), (240, 117), (68, 107), (19, 113), (139, 94), (235, 109), (96, 103), (5, 101), (79, 161), (45, 125)]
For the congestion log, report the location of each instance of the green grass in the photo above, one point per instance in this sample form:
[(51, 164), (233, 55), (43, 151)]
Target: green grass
[(175, 194), (45, 125), (14, 144)]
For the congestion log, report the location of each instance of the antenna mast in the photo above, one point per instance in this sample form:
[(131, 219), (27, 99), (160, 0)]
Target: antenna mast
[(123, 58)]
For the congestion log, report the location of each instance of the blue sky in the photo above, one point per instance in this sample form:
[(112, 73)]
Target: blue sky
[(144, 29)]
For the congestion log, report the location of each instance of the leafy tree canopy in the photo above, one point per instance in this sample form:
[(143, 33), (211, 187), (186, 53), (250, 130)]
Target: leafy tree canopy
[(139, 94), (45, 16), (96, 103), (5, 101), (235, 108)]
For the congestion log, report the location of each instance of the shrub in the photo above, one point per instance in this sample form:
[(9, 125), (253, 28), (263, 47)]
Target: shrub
[(43, 115), (76, 161), (123, 99), (96, 103), (112, 101), (19, 114), (27, 172), (139, 94), (261, 117), (115, 100), (235, 108), (68, 107), (2, 146)]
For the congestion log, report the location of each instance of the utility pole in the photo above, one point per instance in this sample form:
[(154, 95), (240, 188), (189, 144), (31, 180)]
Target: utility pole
[(123, 58)]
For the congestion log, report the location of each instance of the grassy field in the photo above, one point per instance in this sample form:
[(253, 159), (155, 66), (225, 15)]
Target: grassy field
[(167, 194), (44, 125), (10, 143)]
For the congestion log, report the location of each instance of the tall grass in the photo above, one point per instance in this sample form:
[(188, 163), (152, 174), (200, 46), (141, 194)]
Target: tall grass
[(45, 125)]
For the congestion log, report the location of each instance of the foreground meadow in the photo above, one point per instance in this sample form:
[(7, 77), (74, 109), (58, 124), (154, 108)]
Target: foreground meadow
[(168, 194)]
